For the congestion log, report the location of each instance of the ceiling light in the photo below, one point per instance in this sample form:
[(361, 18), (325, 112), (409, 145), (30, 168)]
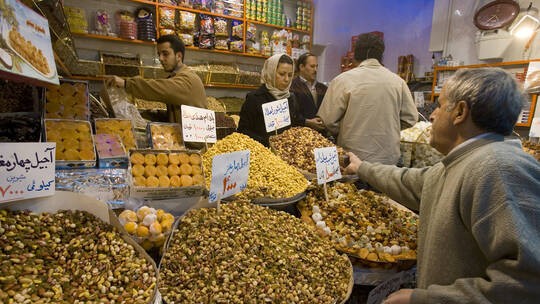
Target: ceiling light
[(526, 23)]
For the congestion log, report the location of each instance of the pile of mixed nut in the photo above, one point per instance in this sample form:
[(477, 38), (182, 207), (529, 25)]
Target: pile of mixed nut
[(69, 257), (244, 253), (296, 146), (362, 223)]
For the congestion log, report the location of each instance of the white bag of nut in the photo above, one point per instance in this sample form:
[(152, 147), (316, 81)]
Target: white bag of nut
[(67, 248), (244, 253)]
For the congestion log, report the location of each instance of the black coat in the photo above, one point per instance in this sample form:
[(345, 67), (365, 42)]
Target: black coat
[(305, 100), (252, 118)]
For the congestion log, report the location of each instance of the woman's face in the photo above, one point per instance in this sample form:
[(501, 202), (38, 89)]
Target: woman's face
[(284, 74)]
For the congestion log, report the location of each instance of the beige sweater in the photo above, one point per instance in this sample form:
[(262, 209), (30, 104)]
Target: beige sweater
[(183, 88), (366, 108), (479, 234)]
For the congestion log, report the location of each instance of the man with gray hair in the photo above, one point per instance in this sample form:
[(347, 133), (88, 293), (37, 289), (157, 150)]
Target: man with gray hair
[(366, 108), (478, 236)]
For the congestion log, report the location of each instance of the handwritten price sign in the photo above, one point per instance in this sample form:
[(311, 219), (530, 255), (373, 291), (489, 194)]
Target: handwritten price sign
[(230, 174), (26, 170), (198, 125), (276, 114), (327, 164)]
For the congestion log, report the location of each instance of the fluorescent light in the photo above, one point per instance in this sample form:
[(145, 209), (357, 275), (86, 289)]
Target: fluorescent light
[(526, 23)]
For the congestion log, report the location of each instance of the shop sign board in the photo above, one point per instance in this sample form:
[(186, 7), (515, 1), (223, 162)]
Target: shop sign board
[(327, 164), (276, 114), (230, 172), (198, 125), (26, 170), (25, 50)]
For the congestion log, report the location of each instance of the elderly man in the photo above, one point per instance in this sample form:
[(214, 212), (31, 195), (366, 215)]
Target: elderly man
[(479, 207), (309, 92)]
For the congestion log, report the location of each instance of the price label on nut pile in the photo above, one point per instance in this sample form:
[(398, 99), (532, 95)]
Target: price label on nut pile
[(276, 114), (327, 164), (198, 125), (26, 170), (230, 174)]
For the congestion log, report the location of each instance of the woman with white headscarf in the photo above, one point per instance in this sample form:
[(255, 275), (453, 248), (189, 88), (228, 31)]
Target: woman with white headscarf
[(276, 78)]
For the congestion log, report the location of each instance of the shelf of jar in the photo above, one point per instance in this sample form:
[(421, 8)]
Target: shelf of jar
[(278, 26)]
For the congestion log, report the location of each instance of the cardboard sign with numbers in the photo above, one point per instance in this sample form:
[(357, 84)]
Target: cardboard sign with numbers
[(26, 170), (230, 174), (198, 125)]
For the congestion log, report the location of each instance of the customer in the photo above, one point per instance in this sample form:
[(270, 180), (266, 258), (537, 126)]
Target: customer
[(366, 107), (276, 79), (479, 233), (308, 91), (182, 87)]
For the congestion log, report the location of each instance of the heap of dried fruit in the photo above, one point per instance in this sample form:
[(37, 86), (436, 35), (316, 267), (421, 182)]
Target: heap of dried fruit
[(246, 253), (69, 257), (362, 223)]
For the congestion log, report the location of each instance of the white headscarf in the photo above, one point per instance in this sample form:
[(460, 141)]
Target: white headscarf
[(268, 77)]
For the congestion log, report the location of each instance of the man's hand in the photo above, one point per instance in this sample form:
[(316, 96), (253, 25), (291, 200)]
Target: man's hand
[(402, 296), (354, 163), (315, 123), (115, 81)]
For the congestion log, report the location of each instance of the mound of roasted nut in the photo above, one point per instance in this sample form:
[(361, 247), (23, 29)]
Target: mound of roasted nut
[(362, 223), (296, 146), (67, 257), (532, 148), (246, 253), (269, 175)]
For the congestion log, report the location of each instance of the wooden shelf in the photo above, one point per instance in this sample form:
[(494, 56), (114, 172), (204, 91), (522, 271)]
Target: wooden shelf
[(194, 48), (116, 39), (277, 26), (209, 13), (210, 85)]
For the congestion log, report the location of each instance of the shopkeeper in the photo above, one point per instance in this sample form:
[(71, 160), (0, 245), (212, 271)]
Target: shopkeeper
[(276, 77), (182, 87)]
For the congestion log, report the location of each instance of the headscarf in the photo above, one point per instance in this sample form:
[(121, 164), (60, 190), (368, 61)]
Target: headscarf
[(268, 77)]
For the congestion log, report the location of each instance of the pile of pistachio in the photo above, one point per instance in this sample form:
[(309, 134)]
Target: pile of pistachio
[(246, 253), (69, 257), (269, 175)]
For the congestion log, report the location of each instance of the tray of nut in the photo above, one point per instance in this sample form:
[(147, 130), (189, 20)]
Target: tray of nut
[(244, 253), (296, 145), (271, 179), (373, 230), (70, 248)]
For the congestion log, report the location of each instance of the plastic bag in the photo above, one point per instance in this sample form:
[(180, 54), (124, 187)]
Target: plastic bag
[(123, 108), (207, 25), (221, 43), (220, 27), (206, 42), (103, 26), (186, 38), (187, 21), (251, 32), (237, 46), (166, 17), (237, 29)]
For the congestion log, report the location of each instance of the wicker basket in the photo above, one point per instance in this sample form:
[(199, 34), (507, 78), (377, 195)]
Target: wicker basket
[(223, 74)]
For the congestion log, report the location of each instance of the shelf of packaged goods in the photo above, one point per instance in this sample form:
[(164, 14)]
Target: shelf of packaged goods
[(209, 13), (278, 26), (117, 39), (217, 86), (193, 48), (145, 2)]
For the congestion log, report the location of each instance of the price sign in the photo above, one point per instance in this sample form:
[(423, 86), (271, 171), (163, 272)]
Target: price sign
[(535, 127), (419, 99), (198, 125), (327, 164), (276, 114), (26, 170), (230, 174)]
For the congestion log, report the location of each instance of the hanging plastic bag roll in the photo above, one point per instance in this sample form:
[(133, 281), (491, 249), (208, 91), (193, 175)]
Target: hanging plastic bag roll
[(117, 100)]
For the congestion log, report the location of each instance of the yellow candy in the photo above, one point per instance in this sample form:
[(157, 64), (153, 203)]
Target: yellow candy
[(166, 225), (155, 228), (142, 231), (147, 244), (131, 227)]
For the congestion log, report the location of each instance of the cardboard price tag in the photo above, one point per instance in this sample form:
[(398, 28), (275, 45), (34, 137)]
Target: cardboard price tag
[(327, 164), (230, 174), (535, 127), (198, 125), (26, 170), (276, 114)]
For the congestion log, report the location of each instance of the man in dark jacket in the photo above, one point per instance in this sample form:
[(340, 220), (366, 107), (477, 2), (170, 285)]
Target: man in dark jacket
[(308, 91)]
